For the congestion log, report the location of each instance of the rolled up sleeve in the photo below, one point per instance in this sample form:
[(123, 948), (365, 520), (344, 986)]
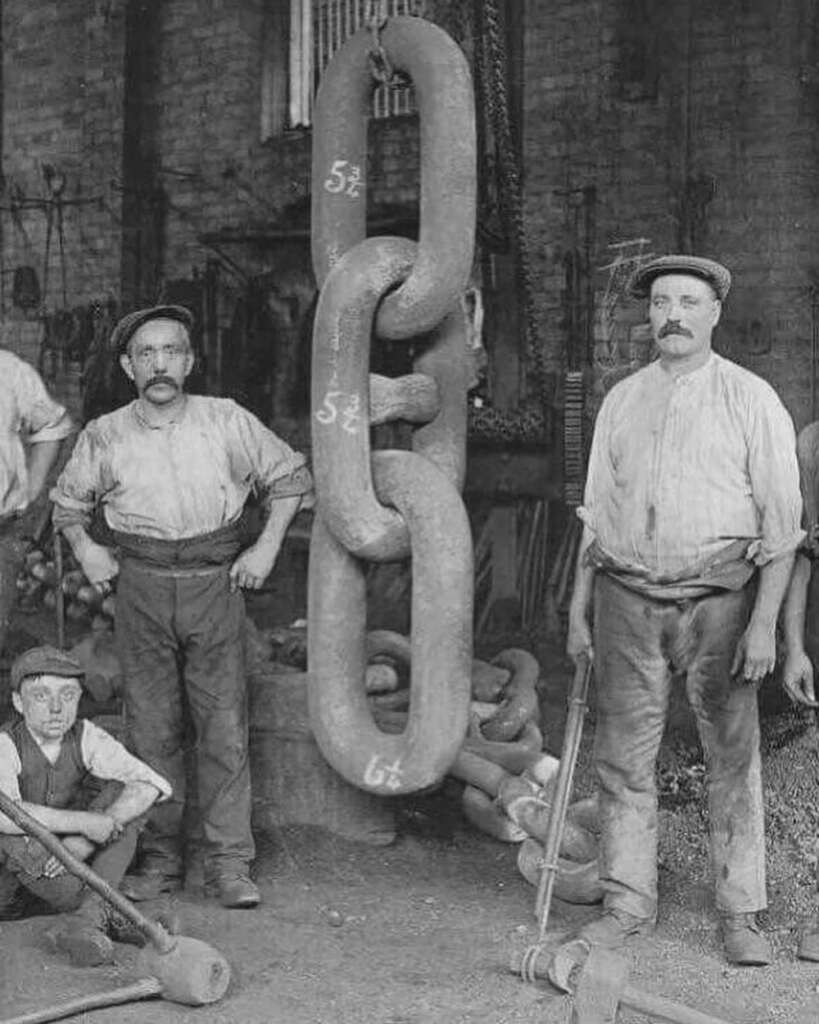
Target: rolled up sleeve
[(78, 487), (106, 758), (774, 475), (599, 470), (277, 470)]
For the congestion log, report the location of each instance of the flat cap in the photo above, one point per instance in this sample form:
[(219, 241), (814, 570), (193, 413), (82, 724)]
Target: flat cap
[(714, 273), (131, 322), (44, 661)]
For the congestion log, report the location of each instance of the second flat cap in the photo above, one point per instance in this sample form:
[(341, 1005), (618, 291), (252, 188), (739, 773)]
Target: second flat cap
[(715, 274)]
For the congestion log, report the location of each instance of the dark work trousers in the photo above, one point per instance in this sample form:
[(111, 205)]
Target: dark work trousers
[(638, 641), (22, 861), (180, 636)]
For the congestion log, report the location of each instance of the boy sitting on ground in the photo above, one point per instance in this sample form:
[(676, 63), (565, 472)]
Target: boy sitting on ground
[(47, 759)]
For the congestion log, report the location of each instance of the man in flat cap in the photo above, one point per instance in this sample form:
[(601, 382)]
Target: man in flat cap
[(32, 428), (172, 473), (691, 517), (47, 756)]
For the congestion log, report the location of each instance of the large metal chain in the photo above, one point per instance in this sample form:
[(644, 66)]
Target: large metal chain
[(385, 506)]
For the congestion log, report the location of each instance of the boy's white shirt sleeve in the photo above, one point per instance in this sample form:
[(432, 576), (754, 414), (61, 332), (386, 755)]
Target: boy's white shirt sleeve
[(107, 758), (10, 769)]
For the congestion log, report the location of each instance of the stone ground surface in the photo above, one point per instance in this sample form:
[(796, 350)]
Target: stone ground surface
[(423, 931), (428, 928)]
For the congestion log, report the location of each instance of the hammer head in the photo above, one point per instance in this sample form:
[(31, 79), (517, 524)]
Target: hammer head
[(595, 976), (190, 971)]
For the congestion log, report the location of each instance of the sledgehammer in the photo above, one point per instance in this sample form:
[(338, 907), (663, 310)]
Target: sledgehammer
[(597, 978), (182, 969)]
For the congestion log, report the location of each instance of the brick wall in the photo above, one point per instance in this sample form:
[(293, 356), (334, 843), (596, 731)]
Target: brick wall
[(216, 171), (62, 106), (697, 125), (62, 109)]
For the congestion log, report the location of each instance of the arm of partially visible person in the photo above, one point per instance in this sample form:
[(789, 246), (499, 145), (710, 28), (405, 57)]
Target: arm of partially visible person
[(41, 457), (797, 674), (45, 425), (75, 495), (281, 476), (774, 479)]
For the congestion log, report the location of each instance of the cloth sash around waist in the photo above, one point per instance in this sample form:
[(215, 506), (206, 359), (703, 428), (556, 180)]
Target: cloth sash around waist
[(728, 570), (206, 552)]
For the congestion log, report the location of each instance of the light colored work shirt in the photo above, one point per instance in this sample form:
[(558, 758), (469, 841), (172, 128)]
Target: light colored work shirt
[(684, 469), (28, 415), (182, 479), (102, 755)]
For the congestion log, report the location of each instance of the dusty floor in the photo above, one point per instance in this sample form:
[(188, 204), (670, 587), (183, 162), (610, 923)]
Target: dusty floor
[(428, 926), (423, 931), (428, 929)]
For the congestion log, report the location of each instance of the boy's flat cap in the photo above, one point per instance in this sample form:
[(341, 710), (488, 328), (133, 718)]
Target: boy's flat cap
[(44, 661)]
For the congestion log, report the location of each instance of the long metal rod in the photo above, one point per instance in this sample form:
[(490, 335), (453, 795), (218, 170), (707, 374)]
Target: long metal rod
[(578, 699)]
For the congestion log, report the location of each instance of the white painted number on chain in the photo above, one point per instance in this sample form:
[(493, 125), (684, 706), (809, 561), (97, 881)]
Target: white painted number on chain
[(350, 412), (350, 415), (380, 775), (344, 177)]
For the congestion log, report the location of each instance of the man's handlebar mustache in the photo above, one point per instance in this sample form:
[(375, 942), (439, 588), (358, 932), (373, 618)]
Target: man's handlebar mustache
[(673, 327)]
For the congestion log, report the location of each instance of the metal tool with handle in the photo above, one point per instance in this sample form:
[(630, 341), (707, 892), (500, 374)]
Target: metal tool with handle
[(578, 703), (188, 970)]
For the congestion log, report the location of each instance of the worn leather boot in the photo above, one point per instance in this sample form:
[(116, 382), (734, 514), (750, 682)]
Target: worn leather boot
[(83, 940), (614, 927), (744, 942), (237, 892)]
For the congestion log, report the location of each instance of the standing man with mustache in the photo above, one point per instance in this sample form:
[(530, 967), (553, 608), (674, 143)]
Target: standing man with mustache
[(691, 519), (171, 473)]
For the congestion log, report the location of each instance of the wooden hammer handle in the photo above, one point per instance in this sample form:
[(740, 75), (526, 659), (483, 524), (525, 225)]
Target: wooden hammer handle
[(152, 931), (659, 1007), (144, 989)]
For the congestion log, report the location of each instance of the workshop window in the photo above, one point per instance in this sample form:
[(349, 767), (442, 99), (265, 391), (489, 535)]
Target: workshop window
[(300, 41)]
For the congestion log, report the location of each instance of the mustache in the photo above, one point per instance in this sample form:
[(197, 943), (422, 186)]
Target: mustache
[(161, 378), (673, 327)]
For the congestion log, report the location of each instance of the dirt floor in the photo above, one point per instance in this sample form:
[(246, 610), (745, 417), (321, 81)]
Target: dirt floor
[(422, 932), (425, 935)]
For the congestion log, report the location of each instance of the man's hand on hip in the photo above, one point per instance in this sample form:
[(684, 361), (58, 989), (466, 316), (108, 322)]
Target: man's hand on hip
[(252, 567), (755, 655), (797, 678)]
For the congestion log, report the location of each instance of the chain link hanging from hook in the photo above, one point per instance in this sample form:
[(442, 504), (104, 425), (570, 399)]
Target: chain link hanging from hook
[(388, 505)]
